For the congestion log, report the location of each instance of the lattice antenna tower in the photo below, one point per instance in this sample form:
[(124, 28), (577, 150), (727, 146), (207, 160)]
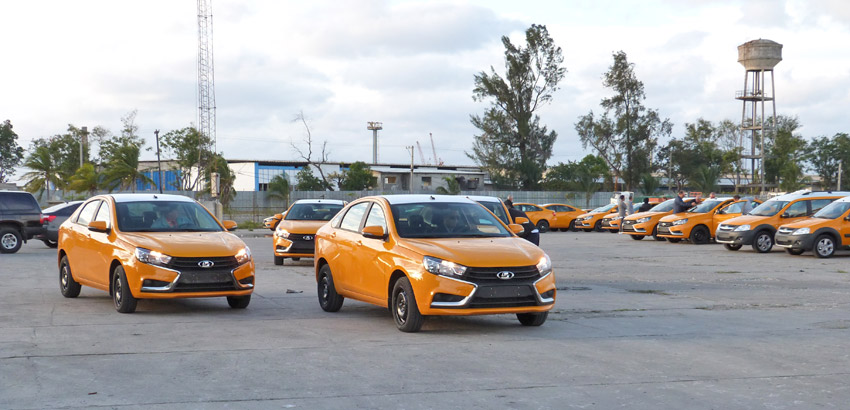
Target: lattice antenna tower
[(206, 73)]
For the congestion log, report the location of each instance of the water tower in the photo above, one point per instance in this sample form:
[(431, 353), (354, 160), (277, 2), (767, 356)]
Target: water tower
[(758, 58)]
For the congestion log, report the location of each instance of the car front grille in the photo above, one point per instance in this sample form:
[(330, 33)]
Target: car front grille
[(786, 231), (521, 274), (665, 224), (190, 264), (194, 278)]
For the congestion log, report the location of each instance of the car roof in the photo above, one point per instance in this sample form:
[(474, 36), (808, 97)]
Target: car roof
[(844, 199), (320, 201), (414, 198), (805, 194), (481, 198), (150, 197)]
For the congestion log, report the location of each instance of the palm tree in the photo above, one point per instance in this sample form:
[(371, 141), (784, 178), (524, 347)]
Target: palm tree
[(706, 178), (586, 183), (86, 179), (453, 187), (279, 188), (649, 184), (44, 171), (123, 169)]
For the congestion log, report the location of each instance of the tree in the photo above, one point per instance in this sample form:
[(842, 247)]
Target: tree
[(357, 178), (824, 154), (323, 158), (122, 169), (705, 178), (452, 187), (513, 147), (11, 154), (306, 181), (226, 179), (627, 133), (278, 188), (782, 151), (649, 184), (43, 165), (86, 179), (188, 148)]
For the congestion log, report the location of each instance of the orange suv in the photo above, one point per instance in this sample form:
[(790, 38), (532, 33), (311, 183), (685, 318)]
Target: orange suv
[(422, 255), (698, 223), (823, 233), (143, 246), (295, 233), (758, 227)]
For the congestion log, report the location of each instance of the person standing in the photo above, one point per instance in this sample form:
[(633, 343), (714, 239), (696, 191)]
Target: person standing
[(679, 203), (645, 206), (621, 209), (630, 207), (712, 196), (530, 233)]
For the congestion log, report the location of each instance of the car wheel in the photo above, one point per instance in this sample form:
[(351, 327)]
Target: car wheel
[(732, 247), (655, 234), (763, 242), (239, 302), (278, 260), (598, 226), (637, 237), (296, 259), (699, 235), (532, 319), (405, 312), (67, 285), (824, 246), (10, 240), (329, 300), (121, 294), (587, 230), (794, 251), (50, 244), (613, 231), (572, 227), (674, 240), (543, 225)]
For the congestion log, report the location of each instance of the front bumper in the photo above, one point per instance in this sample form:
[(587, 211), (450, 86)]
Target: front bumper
[(796, 242), (667, 230), (184, 278), (632, 228), (297, 245), (735, 237)]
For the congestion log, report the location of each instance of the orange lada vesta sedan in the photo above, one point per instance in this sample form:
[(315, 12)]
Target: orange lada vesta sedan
[(293, 237), (143, 246), (422, 255)]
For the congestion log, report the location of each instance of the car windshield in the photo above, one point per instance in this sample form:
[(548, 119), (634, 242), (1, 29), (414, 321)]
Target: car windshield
[(446, 220), (665, 206), (164, 216), (833, 210), (706, 206), (769, 208), (497, 209), (312, 212), (605, 208)]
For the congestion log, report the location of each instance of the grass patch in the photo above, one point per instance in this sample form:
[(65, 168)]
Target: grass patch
[(728, 271), (842, 271), (649, 291), (249, 225)]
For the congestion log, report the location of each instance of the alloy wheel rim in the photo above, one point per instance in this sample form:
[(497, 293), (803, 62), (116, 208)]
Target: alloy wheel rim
[(825, 247), (325, 289), (117, 291), (9, 241), (63, 278), (401, 307)]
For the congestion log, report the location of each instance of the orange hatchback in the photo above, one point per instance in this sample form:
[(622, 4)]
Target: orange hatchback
[(143, 246), (422, 255), (294, 235)]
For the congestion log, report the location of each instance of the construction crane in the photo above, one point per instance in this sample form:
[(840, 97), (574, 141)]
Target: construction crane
[(421, 155), (437, 160)]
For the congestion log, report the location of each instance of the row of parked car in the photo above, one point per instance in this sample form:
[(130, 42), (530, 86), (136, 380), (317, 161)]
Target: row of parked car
[(798, 222), (22, 219)]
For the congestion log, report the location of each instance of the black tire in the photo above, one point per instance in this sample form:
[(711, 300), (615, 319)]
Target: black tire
[(532, 319), (50, 244), (10, 240), (296, 259), (637, 237), (405, 312), (239, 302), (824, 246), (278, 260), (329, 300), (794, 251), (655, 234), (572, 227), (122, 297), (67, 285), (763, 241), (598, 226), (731, 247), (587, 230), (674, 240), (543, 225), (700, 235)]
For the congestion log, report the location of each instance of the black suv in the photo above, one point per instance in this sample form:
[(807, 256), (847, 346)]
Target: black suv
[(20, 219)]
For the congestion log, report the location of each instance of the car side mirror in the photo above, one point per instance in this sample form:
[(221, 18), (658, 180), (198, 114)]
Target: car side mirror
[(516, 228), (847, 218), (374, 232), (785, 215), (521, 220), (98, 226), (278, 216), (229, 225)]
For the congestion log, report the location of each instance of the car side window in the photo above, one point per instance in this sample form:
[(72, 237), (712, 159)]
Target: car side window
[(103, 214), (797, 209), (376, 217), (352, 218), (734, 208), (818, 204), (87, 213)]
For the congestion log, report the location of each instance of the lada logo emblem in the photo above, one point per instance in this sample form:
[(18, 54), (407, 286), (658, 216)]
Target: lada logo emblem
[(505, 275), (206, 264), (308, 237)]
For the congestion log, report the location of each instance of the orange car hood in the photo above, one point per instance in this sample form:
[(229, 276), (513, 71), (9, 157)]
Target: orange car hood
[(746, 220), (643, 214), (480, 252), (187, 243), (302, 227), (809, 222)]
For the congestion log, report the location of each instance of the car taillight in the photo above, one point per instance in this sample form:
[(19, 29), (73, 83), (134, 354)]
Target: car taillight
[(47, 218)]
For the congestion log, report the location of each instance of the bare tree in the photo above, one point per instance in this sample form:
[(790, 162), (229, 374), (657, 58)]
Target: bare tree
[(323, 158)]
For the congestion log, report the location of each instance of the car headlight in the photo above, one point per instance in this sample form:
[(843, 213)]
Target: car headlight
[(616, 218), (280, 232), (680, 221), (544, 265), (243, 256), (801, 231), (441, 267), (152, 257), (742, 228), (643, 220)]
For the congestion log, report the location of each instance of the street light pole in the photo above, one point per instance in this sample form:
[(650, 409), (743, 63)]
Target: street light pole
[(410, 148), (82, 142), (158, 162)]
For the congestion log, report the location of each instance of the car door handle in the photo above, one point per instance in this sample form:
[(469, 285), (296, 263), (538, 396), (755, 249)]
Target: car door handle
[(359, 243)]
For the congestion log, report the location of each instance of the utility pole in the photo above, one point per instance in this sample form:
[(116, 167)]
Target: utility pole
[(158, 162), (374, 126), (840, 163), (670, 168), (83, 141), (410, 148)]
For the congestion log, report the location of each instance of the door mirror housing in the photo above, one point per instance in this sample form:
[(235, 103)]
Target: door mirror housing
[(520, 220), (278, 216), (516, 228), (98, 226), (374, 232), (229, 225)]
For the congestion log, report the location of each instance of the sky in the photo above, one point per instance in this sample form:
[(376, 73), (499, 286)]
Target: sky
[(407, 64)]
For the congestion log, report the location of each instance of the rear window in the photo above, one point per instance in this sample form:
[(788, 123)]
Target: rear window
[(18, 201), (63, 209)]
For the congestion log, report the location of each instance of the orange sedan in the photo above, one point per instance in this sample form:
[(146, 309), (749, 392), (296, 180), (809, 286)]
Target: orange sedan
[(422, 255), (293, 236), (143, 246), (565, 216), (541, 217)]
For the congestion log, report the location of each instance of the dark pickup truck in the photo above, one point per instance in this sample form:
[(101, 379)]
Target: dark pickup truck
[(20, 220)]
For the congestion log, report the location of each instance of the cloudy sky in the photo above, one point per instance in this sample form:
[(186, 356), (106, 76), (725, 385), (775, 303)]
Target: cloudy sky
[(408, 64)]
